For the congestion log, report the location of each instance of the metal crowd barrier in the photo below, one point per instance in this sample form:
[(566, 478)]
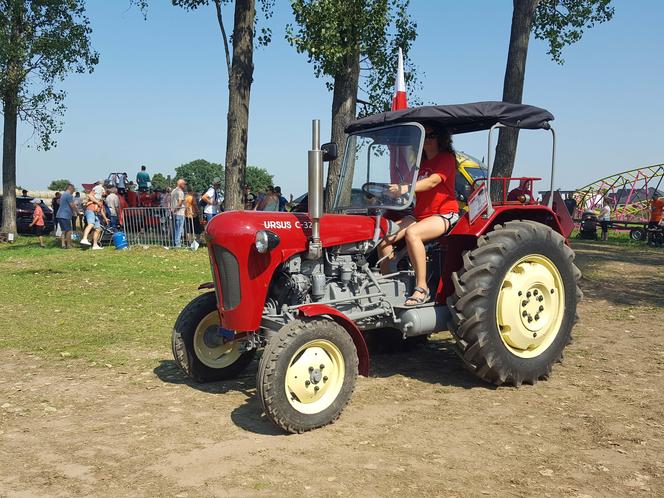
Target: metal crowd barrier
[(155, 226)]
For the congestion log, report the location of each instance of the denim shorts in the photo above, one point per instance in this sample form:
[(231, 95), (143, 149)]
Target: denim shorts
[(65, 224), (92, 218)]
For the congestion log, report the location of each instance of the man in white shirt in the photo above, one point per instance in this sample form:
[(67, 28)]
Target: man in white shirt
[(178, 208), (212, 199)]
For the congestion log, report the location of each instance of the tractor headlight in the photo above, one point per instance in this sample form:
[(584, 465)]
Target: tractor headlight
[(266, 240)]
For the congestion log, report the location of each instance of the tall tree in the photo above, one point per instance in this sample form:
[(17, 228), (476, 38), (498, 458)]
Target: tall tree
[(199, 173), (58, 185), (558, 22), (240, 67), (355, 43), (41, 41), (258, 178)]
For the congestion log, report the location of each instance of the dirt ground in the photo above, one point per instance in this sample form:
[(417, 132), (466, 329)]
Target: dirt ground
[(419, 426)]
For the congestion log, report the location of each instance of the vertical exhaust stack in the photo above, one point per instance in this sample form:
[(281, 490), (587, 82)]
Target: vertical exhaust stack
[(315, 192)]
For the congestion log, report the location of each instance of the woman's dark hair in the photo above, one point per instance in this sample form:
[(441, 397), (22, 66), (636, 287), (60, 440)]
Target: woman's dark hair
[(443, 137)]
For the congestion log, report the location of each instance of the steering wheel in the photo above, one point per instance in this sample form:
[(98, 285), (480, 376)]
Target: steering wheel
[(373, 189), (383, 191)]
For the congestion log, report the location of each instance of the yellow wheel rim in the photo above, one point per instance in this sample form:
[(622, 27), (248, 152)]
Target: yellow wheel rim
[(531, 306), (210, 353), (315, 376)]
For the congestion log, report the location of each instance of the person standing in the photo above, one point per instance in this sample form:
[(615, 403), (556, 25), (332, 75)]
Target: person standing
[(38, 221), (605, 220), (55, 205), (79, 207), (113, 204), (178, 207), (656, 211), (94, 207), (190, 214), (64, 215), (122, 182), (248, 198), (212, 200), (282, 200), (270, 202), (142, 179)]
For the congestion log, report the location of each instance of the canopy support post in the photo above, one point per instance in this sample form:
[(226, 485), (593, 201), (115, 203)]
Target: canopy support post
[(553, 165), (489, 168)]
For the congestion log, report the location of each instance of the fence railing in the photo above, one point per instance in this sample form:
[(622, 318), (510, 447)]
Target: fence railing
[(158, 226)]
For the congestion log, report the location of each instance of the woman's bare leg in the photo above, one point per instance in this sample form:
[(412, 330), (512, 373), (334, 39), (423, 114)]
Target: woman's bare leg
[(416, 235), (385, 246)]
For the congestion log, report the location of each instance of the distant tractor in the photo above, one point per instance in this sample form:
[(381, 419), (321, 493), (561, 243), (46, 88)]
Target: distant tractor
[(305, 286)]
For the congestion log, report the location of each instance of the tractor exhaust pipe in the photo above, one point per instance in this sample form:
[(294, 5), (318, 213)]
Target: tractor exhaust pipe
[(315, 192)]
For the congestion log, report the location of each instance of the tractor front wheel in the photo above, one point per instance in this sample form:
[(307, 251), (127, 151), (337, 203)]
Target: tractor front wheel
[(515, 303), (307, 374), (197, 348)]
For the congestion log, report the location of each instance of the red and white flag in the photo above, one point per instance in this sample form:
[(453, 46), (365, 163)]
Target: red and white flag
[(399, 100)]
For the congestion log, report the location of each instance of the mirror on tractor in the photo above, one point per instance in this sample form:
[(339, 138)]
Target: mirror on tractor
[(330, 151)]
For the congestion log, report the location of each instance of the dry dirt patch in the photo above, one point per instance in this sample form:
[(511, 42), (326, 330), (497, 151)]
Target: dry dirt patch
[(420, 425)]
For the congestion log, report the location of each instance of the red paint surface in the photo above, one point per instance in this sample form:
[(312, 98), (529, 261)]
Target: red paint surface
[(236, 231)]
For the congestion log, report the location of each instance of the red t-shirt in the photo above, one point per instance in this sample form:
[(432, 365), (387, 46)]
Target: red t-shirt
[(442, 198)]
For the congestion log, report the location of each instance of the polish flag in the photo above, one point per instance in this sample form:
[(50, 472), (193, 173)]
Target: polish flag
[(399, 99)]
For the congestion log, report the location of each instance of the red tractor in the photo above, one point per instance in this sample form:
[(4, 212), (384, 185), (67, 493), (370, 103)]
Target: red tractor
[(305, 286)]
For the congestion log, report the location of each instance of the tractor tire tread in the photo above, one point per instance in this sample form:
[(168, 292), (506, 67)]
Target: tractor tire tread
[(469, 304)]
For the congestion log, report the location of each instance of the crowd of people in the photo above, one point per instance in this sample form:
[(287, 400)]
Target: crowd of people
[(104, 203)]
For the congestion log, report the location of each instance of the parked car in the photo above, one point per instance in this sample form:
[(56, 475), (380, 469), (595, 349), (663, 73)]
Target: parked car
[(24, 210)]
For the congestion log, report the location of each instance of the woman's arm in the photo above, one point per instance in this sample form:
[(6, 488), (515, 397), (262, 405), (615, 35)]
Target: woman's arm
[(428, 183)]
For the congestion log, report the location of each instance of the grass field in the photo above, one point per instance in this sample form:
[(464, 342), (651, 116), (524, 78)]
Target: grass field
[(109, 307)]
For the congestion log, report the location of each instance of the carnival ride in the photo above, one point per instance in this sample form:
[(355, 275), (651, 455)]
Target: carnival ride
[(629, 194)]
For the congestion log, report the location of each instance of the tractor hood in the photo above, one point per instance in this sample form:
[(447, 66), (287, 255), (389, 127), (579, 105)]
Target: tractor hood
[(242, 275)]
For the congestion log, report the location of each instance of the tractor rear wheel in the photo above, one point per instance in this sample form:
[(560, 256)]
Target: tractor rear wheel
[(197, 348), (515, 303), (307, 374)]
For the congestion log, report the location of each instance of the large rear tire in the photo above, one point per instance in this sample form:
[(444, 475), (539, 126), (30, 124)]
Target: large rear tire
[(196, 347), (307, 374), (515, 303)]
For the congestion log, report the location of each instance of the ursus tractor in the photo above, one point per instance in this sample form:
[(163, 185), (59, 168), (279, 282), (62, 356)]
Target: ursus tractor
[(305, 287)]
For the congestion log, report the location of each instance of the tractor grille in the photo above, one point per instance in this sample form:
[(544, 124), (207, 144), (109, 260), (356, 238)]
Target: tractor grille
[(229, 272)]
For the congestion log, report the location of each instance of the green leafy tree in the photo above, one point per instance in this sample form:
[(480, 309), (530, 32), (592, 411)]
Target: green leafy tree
[(159, 181), (200, 173), (240, 67), (41, 41), (558, 22), (258, 178), (58, 185), (353, 42)]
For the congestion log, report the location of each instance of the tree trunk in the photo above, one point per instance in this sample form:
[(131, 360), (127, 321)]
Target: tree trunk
[(239, 89), (522, 22), (344, 103), (9, 164)]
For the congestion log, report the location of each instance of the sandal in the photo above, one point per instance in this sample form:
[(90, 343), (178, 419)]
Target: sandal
[(418, 300)]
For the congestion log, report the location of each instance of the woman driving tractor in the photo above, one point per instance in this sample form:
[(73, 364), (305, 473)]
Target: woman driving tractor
[(435, 212)]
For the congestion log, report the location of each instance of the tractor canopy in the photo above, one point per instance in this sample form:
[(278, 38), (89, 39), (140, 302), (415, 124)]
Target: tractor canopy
[(462, 118)]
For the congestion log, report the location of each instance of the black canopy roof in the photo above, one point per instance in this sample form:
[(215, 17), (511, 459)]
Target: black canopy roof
[(462, 118)]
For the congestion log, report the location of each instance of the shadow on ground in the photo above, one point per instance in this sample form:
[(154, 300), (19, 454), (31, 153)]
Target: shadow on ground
[(599, 265), (433, 361)]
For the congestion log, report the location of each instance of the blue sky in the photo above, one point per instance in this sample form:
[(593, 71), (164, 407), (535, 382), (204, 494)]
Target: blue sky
[(159, 94)]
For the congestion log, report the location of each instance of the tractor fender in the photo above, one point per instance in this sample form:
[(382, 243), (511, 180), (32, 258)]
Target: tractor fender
[(311, 310), (206, 285)]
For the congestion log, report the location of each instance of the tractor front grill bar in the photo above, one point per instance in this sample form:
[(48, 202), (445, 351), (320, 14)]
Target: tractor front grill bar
[(229, 274)]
